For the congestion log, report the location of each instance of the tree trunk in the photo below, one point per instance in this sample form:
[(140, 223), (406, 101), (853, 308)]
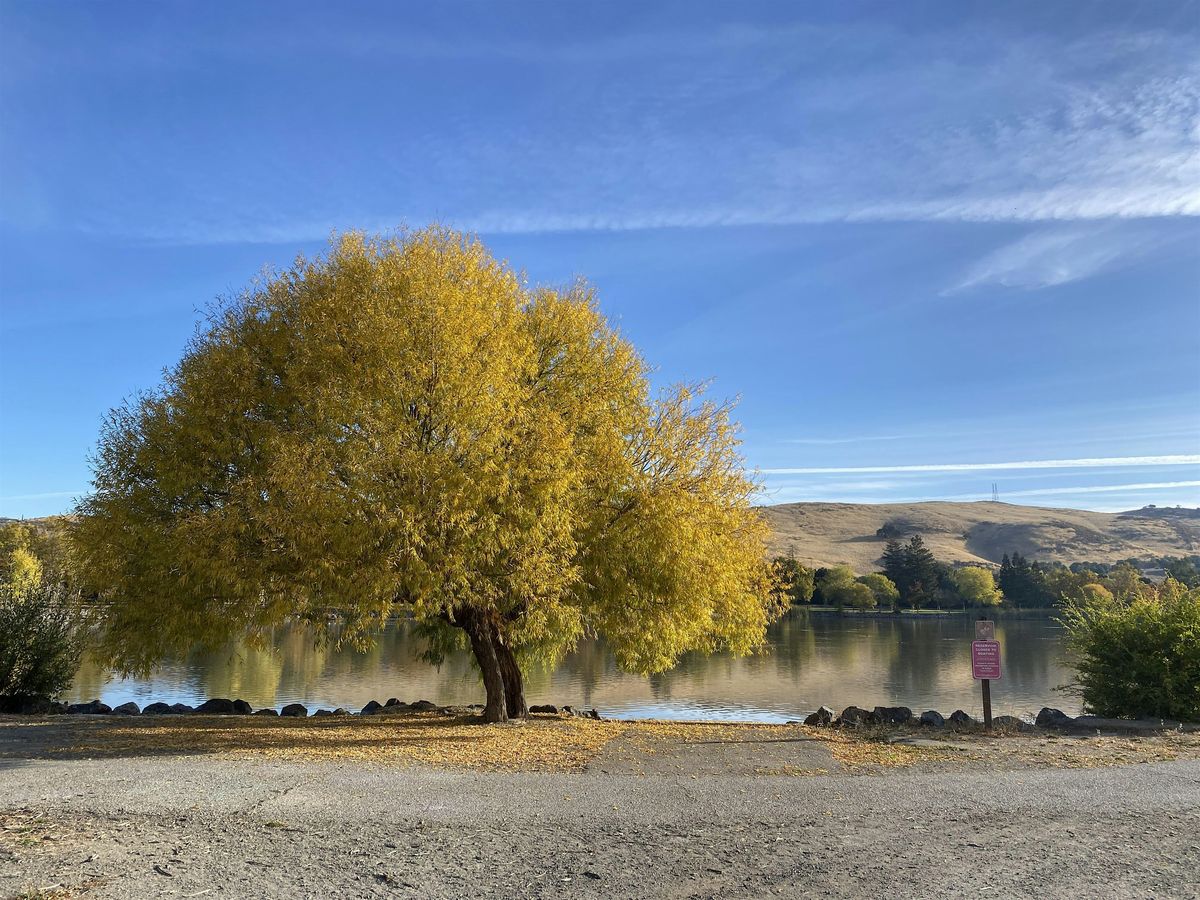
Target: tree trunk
[(514, 684), (483, 644)]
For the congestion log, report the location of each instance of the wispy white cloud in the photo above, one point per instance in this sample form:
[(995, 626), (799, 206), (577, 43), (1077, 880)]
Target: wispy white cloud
[(1103, 489), (829, 441), (1047, 258), (1182, 459), (49, 495), (949, 125), (887, 492)]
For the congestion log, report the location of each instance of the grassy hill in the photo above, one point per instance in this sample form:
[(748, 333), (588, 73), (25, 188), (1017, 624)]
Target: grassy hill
[(835, 533)]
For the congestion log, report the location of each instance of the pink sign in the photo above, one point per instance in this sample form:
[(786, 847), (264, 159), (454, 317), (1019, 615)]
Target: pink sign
[(985, 659)]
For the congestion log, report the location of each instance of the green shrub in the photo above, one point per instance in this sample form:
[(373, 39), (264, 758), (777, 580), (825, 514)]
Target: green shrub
[(39, 640), (1138, 655)]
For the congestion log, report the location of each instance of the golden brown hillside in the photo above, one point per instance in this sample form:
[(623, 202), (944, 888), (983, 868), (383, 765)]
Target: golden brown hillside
[(845, 533)]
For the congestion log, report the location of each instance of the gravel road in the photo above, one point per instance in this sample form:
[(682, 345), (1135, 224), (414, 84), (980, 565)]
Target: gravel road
[(204, 826)]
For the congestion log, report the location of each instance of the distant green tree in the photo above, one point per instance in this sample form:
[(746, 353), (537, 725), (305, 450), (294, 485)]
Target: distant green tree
[(922, 573), (857, 596), (882, 588), (1125, 580), (893, 562), (1024, 584), (795, 580), (33, 553), (914, 571), (24, 569), (839, 588), (1183, 570), (977, 586)]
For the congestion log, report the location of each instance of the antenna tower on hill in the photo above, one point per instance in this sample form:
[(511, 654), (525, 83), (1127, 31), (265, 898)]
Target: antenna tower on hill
[(995, 492)]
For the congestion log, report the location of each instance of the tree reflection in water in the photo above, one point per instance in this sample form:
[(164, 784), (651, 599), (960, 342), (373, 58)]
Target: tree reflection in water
[(814, 658)]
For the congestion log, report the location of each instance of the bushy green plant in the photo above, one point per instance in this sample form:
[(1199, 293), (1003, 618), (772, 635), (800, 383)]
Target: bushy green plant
[(39, 640), (1138, 654)]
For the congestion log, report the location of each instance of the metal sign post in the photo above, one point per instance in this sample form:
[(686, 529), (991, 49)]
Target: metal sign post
[(985, 663)]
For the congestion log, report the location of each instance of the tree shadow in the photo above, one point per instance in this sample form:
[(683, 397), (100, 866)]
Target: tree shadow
[(325, 737)]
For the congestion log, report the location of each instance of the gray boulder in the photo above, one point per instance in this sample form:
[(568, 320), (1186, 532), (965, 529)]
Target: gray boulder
[(931, 718), (181, 709), (395, 701), (893, 715), (823, 717), (242, 708), (855, 716), (423, 706), (372, 707), (1053, 718), (294, 710), (127, 709), (157, 709), (959, 719), (266, 711), (217, 706), (544, 708), (94, 708)]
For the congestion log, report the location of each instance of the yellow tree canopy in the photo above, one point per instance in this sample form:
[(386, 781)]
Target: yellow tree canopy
[(405, 423)]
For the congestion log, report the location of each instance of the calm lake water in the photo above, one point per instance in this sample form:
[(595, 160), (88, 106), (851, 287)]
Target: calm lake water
[(815, 658)]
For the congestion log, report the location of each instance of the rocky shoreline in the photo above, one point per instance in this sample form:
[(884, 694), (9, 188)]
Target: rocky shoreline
[(1047, 717), (220, 706), (824, 717)]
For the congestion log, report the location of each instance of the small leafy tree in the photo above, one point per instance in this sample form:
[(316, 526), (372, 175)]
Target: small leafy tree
[(794, 581), (34, 552), (839, 587), (24, 570), (884, 591), (406, 426), (857, 596), (39, 641), (1138, 654), (977, 586)]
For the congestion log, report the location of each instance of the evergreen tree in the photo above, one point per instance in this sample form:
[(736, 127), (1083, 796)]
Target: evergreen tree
[(894, 564), (1025, 584), (921, 573)]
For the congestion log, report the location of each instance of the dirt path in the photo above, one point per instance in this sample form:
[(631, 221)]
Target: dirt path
[(652, 813)]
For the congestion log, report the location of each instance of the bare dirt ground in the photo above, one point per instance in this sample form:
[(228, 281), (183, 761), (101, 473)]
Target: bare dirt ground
[(428, 806)]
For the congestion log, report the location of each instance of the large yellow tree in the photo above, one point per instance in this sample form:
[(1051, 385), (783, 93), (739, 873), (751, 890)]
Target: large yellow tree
[(406, 426)]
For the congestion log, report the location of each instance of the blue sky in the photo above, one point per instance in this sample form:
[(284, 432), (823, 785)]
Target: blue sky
[(931, 246)]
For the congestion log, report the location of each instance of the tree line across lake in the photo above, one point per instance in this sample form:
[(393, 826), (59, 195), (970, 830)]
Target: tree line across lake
[(911, 577)]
